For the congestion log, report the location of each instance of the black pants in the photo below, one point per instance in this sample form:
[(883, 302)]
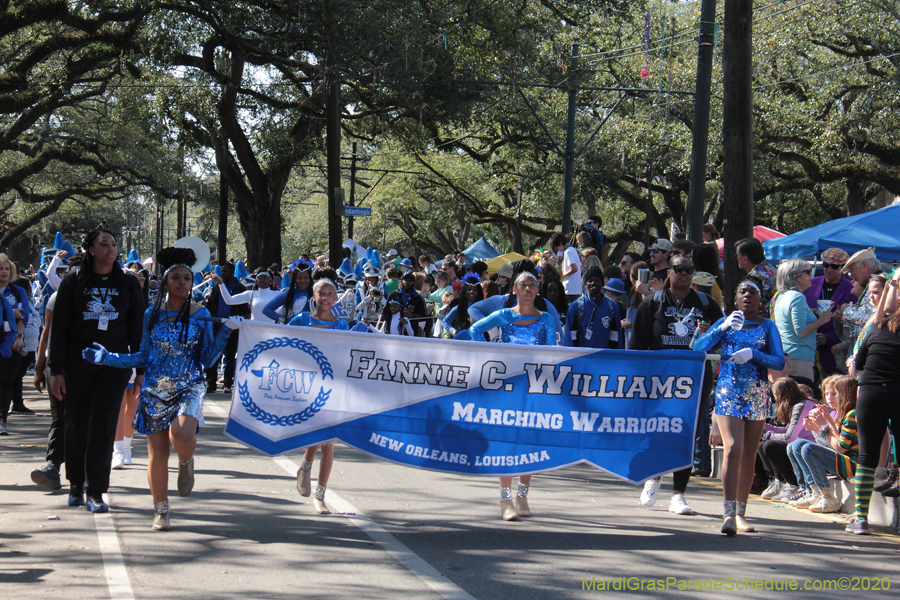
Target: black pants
[(56, 438), (9, 368), (229, 355), (93, 397), (20, 376), (877, 406), (681, 478), (773, 454)]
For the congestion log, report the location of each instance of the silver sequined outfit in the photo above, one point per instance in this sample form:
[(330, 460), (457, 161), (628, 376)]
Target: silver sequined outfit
[(175, 380), (855, 317)]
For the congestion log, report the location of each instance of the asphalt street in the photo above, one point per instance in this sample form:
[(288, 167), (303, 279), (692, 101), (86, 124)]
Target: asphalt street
[(246, 533)]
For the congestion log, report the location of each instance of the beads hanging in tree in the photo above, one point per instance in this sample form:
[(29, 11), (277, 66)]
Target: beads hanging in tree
[(645, 72)]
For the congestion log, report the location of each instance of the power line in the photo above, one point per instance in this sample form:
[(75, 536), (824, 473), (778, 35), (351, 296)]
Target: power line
[(832, 70)]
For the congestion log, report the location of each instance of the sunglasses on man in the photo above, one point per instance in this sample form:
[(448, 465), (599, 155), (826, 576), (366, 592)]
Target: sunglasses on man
[(835, 266), (655, 250), (680, 270)]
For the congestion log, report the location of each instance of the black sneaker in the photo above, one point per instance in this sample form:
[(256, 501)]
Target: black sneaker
[(95, 503), (47, 477), (76, 495), (3, 429), (21, 410)]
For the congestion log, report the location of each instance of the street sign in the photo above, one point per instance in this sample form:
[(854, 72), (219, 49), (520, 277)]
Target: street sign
[(357, 211)]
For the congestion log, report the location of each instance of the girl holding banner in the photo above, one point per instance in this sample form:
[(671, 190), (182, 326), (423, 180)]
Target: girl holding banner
[(176, 349), (324, 295), (750, 346), (521, 324)]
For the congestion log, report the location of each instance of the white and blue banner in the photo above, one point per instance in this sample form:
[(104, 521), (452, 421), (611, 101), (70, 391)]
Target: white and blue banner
[(466, 407)]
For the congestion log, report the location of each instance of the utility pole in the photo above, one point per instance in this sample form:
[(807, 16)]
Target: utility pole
[(179, 199), (737, 135), (700, 141), (159, 228), (649, 206), (128, 224), (333, 158), (569, 153), (352, 191)]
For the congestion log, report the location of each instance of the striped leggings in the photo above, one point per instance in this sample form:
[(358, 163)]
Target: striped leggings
[(877, 407)]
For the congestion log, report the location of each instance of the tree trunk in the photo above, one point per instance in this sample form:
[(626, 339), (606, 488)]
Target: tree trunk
[(856, 196), (737, 136), (261, 227)]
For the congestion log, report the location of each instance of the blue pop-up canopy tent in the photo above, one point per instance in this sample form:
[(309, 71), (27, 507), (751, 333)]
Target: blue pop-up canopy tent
[(480, 250), (879, 229)]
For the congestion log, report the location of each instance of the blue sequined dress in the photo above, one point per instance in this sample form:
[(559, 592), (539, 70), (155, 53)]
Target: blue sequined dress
[(306, 319), (742, 391), (540, 333), (175, 379)]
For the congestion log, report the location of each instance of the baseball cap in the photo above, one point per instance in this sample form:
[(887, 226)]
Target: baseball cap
[(835, 256), (662, 244)]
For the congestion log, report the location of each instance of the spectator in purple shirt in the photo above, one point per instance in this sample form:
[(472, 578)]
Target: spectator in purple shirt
[(823, 291)]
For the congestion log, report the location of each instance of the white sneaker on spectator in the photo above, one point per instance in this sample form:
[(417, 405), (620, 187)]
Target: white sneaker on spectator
[(786, 492), (773, 489), (827, 503), (800, 493), (679, 506), (807, 499), (651, 486)]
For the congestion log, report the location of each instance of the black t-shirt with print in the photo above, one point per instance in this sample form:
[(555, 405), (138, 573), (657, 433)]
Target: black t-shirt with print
[(655, 322), (109, 310)]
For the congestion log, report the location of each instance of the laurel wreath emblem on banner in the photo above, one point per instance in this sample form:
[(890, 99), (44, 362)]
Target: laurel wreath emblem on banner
[(286, 342), (287, 420)]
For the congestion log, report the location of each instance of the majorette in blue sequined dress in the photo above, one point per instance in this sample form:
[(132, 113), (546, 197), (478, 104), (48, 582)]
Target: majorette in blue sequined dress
[(540, 333), (742, 391), (175, 379)]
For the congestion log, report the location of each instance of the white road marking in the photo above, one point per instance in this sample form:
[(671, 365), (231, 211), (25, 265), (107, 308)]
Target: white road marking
[(402, 554), (113, 561)]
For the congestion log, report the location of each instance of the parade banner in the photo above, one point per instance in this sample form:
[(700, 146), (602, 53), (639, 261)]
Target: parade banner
[(466, 407)]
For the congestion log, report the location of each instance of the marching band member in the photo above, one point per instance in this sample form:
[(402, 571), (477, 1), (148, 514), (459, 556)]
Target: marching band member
[(521, 324), (324, 295), (750, 346), (294, 300), (176, 349)]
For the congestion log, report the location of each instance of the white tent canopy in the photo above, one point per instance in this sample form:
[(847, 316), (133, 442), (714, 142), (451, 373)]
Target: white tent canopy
[(354, 247)]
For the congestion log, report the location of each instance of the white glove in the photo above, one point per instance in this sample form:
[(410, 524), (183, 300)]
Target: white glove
[(734, 321), (741, 356), (95, 356), (234, 323)]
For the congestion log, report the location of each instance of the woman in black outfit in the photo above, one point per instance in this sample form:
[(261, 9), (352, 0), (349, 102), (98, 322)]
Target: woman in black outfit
[(878, 403), (99, 304)]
